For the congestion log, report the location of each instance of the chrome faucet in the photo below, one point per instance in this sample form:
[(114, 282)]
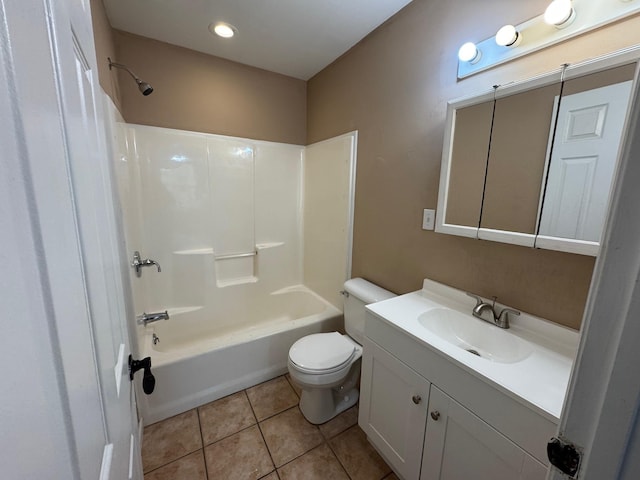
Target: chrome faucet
[(138, 263), (500, 320), (152, 317)]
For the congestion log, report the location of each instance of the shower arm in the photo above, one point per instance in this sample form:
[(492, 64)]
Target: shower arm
[(124, 67)]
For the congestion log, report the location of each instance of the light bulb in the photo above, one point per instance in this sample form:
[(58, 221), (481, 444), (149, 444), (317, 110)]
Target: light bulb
[(559, 13), (469, 53), (508, 36)]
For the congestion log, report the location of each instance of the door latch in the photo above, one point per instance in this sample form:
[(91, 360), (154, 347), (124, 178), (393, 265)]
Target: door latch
[(564, 456), (148, 380)]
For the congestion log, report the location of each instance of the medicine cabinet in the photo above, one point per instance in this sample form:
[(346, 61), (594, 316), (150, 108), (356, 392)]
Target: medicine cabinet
[(532, 163)]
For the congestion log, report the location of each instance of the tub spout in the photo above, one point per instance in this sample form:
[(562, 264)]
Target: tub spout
[(152, 317)]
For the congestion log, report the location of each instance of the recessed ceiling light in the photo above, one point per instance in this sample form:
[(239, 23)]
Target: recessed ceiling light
[(222, 29)]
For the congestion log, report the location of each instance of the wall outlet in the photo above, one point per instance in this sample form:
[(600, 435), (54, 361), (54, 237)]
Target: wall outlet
[(428, 219)]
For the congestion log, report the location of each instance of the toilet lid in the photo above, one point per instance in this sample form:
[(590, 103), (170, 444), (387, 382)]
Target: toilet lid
[(321, 351)]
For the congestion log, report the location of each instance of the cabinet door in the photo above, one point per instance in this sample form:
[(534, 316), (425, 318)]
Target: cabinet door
[(467, 166), (459, 445), (516, 166), (393, 409)]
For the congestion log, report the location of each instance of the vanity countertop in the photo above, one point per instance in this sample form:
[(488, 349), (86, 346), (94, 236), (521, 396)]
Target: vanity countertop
[(539, 378)]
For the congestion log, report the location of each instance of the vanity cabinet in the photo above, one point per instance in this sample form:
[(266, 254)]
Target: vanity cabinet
[(458, 444), (425, 434)]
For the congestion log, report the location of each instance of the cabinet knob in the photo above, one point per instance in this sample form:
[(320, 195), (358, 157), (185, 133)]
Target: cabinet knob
[(416, 399), (435, 415)]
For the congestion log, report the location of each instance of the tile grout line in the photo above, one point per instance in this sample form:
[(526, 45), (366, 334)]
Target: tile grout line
[(297, 405), (172, 461), (204, 457), (275, 469), (336, 455), (290, 382), (182, 456)]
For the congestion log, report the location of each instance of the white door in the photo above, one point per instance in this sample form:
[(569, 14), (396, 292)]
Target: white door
[(54, 116), (393, 409), (102, 255), (583, 162), (601, 411), (459, 445)]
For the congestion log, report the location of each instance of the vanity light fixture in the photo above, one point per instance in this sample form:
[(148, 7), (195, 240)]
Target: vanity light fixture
[(470, 53), (222, 29), (508, 36), (562, 20), (560, 13)]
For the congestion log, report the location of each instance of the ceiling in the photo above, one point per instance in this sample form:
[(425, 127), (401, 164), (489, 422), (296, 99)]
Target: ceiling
[(293, 37)]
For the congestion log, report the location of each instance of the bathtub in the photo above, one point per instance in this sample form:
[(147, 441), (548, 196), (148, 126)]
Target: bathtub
[(202, 355)]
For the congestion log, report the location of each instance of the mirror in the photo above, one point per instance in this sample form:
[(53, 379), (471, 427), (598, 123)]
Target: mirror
[(532, 163), (516, 165), (589, 129), (468, 164)]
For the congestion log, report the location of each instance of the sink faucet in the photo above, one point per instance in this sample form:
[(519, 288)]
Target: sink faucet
[(152, 317), (500, 320)]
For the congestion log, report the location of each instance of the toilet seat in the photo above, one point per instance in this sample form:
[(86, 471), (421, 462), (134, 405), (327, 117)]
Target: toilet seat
[(322, 353)]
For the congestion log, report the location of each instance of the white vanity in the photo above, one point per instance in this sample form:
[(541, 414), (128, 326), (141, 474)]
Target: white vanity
[(435, 410)]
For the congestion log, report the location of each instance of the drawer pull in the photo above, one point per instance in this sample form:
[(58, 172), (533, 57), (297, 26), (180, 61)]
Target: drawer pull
[(416, 399), (435, 415)]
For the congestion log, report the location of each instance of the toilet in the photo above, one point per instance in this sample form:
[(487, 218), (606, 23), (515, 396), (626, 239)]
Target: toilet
[(326, 366)]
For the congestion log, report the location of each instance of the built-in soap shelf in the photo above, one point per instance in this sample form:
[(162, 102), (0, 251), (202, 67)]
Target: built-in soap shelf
[(236, 281), (264, 246), (209, 251), (232, 269), (195, 251)]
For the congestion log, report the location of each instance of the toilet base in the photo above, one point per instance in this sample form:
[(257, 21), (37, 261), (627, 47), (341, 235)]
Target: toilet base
[(319, 405)]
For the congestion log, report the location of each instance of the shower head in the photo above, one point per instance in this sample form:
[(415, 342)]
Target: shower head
[(143, 86)]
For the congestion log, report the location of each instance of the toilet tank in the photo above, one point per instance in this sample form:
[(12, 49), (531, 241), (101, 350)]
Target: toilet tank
[(359, 293)]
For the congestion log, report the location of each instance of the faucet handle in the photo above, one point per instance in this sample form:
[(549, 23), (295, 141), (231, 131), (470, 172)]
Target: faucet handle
[(476, 297), (137, 263)]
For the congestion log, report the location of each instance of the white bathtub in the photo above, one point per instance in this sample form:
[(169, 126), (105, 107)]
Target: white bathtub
[(203, 356)]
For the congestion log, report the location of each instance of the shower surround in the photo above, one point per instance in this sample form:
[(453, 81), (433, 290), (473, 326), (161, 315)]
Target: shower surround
[(225, 218)]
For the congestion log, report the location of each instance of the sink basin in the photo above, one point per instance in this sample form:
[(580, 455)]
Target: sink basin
[(475, 336)]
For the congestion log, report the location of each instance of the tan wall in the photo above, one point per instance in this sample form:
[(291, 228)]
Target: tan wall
[(393, 88), (202, 93), (105, 48)]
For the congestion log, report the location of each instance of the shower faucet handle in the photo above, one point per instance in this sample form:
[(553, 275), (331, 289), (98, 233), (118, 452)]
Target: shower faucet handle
[(137, 263)]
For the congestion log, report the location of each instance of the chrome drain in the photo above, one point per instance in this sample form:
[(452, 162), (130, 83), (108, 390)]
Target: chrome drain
[(475, 352)]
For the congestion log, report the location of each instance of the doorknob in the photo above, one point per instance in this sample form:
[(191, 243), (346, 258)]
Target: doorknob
[(148, 380), (416, 399), (435, 415)]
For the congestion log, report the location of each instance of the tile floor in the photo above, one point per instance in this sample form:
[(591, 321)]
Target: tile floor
[(259, 433)]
